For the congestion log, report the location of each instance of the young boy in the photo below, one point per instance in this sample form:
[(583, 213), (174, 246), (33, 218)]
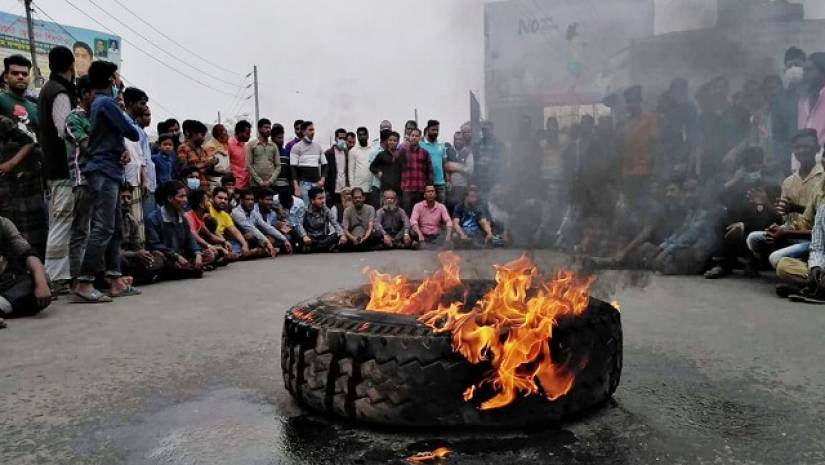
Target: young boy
[(165, 159)]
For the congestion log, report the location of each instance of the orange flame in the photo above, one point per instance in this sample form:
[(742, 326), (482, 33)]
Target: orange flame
[(510, 326), (420, 457)]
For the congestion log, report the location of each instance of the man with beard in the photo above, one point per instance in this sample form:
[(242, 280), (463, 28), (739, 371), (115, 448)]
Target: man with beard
[(358, 223), (359, 173), (392, 224), (263, 158), (220, 210), (459, 167), (438, 157), (169, 238)]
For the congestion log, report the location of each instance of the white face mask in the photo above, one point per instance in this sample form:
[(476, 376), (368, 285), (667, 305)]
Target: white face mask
[(792, 76)]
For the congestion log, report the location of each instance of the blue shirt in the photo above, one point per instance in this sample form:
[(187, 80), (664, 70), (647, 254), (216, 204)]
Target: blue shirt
[(109, 127), (165, 166), (437, 152), (469, 218)]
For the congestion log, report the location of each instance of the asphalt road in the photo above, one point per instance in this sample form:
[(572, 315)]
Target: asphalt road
[(189, 373)]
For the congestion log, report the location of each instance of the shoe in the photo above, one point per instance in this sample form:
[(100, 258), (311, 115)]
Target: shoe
[(717, 272)]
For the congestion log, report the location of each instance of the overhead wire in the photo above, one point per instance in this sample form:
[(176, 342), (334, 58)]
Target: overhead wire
[(150, 55), (165, 36), (162, 49)]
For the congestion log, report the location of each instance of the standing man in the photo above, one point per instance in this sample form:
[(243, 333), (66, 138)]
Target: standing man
[(20, 164), (337, 163), (296, 126), (263, 159), (192, 154), (237, 153), (460, 168), (812, 96), (387, 164), (57, 99), (104, 173), (307, 162), (638, 148), (408, 127), (136, 171), (438, 152), (430, 220), (416, 171), (283, 181), (359, 162), (489, 159), (78, 128), (149, 203)]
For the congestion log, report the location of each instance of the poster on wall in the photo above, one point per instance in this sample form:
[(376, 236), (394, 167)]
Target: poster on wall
[(88, 45)]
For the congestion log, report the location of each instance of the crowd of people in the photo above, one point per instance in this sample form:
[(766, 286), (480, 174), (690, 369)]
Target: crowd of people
[(92, 209)]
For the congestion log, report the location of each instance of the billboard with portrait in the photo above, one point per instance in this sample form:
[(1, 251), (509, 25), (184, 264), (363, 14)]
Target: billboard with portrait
[(88, 45)]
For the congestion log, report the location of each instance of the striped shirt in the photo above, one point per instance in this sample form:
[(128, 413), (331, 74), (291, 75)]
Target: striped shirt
[(306, 159)]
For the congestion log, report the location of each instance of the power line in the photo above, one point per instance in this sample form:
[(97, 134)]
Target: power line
[(150, 55), (150, 42), (162, 34)]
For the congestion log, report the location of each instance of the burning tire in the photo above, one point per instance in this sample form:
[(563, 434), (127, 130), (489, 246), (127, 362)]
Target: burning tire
[(385, 368)]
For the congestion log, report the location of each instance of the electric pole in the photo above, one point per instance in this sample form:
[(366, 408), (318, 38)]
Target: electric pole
[(219, 117), (257, 101), (30, 25)]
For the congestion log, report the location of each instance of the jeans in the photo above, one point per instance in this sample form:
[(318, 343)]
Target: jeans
[(305, 187), (758, 244), (149, 204), (103, 246), (441, 192)]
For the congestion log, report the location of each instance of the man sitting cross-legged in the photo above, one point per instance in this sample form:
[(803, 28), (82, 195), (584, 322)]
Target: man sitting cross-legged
[(255, 230), (225, 227), (392, 224), (358, 223), (265, 207), (322, 233), (430, 220), (24, 286), (169, 238), (210, 243), (471, 221)]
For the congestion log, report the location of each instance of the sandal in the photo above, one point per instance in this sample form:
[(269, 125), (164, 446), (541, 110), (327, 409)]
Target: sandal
[(95, 297), (128, 291)]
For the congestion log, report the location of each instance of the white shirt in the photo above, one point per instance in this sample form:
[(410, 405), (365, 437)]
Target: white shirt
[(359, 167)]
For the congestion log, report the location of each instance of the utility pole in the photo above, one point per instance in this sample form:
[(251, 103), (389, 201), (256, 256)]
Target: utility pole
[(219, 117), (257, 101), (30, 25)]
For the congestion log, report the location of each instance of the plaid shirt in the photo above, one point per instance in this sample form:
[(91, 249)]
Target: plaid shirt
[(817, 257), (416, 169), (190, 156)]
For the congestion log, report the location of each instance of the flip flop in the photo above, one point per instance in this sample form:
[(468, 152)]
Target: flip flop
[(126, 292), (96, 297)]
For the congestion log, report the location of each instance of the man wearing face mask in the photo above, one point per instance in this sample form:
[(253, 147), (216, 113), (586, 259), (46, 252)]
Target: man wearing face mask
[(337, 164), (749, 203)]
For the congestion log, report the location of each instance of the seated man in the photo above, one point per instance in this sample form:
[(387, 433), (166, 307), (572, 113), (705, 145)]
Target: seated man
[(430, 220), (225, 226), (358, 223), (749, 204), (809, 278), (471, 222), (253, 227), (392, 224), (290, 211), (798, 191), (144, 266), (322, 233), (228, 183), (657, 222), (265, 209), (168, 236), (213, 246), (24, 286)]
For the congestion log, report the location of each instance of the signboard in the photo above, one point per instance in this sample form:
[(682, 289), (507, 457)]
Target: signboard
[(88, 45), (560, 52)]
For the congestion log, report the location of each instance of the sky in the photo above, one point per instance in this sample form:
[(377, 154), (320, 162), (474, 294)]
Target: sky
[(341, 63)]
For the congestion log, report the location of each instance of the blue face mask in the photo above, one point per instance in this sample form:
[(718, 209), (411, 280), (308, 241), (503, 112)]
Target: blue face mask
[(308, 139), (342, 144), (115, 91), (754, 177), (193, 183)]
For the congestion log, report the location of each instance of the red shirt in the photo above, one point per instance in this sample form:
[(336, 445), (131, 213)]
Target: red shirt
[(237, 162), (195, 221), (416, 169)]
